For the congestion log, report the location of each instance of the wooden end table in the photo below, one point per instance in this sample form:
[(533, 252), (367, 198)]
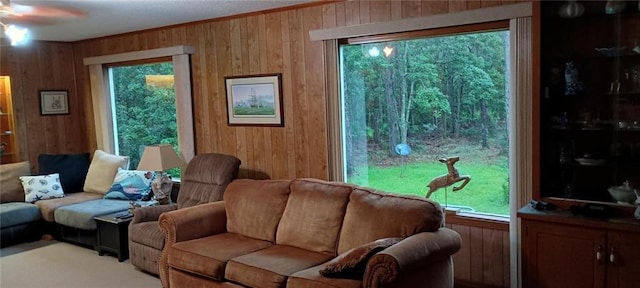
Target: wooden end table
[(113, 235)]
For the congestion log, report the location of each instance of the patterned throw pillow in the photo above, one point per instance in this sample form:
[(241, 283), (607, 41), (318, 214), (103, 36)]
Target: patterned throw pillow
[(41, 187), (130, 185)]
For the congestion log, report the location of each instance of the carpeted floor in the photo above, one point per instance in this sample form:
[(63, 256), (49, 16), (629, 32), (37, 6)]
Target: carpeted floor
[(49, 263)]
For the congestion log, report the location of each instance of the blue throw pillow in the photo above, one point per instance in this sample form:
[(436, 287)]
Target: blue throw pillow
[(71, 167), (130, 185)]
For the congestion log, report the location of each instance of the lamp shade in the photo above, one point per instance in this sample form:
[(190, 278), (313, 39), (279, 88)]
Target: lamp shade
[(159, 157)]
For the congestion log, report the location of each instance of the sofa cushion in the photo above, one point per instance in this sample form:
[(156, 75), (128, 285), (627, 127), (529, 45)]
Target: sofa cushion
[(311, 278), (10, 186), (41, 187), (130, 185), (81, 215), (49, 206), (245, 199), (71, 167), (375, 215), (102, 171), (313, 216), (271, 267), (208, 256), (16, 213), (351, 264)]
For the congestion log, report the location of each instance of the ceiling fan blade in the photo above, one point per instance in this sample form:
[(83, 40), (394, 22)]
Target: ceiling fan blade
[(47, 11)]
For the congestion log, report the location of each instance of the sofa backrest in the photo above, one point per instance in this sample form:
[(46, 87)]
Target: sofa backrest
[(373, 215), (206, 178), (314, 214), (254, 207), (10, 187), (325, 217)]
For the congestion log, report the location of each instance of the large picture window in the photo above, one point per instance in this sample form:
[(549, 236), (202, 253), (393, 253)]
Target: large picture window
[(408, 103)]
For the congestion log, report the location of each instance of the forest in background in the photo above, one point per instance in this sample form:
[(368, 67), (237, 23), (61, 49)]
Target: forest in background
[(426, 93)]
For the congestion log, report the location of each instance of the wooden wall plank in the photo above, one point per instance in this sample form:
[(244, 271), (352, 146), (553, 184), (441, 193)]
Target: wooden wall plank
[(411, 8), (492, 258), (437, 7), (477, 252), (461, 260), (380, 11), (300, 109), (288, 100), (506, 259), (365, 16), (278, 154), (314, 77)]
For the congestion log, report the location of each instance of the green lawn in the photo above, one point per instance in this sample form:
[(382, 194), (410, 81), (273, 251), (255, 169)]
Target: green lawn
[(485, 192)]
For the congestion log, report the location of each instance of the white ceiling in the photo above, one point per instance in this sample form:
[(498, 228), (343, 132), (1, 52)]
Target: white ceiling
[(109, 17)]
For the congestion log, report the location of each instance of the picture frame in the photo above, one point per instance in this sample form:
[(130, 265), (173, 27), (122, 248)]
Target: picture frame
[(54, 102), (254, 100)]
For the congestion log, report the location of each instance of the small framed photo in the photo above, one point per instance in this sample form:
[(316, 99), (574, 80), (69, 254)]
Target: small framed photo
[(54, 102), (254, 100)]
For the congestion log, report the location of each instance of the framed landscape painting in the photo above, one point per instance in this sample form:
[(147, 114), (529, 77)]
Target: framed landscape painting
[(254, 100)]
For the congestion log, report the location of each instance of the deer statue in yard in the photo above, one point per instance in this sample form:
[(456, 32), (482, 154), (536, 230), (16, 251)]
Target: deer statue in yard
[(448, 179)]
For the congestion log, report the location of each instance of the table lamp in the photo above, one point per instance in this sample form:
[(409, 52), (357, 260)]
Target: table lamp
[(159, 158)]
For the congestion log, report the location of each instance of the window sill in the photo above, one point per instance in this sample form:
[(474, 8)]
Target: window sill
[(456, 217)]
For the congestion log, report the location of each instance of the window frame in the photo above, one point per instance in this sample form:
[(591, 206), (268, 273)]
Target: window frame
[(494, 26), (101, 97)]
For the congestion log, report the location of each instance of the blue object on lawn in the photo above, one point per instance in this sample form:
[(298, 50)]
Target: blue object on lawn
[(403, 149)]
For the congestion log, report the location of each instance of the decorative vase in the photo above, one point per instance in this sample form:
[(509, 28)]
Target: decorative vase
[(572, 85), (571, 9), (614, 6)]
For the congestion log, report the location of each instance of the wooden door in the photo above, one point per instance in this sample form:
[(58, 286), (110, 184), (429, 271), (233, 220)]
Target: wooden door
[(623, 268), (556, 255)]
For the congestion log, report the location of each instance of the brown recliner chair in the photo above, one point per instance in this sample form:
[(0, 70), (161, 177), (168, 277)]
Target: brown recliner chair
[(204, 181)]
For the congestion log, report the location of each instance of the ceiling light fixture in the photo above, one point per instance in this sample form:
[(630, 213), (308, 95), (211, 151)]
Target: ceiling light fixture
[(17, 35)]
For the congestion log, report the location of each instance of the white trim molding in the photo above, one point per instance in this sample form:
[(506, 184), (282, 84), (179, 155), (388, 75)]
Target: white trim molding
[(498, 13), (180, 57)]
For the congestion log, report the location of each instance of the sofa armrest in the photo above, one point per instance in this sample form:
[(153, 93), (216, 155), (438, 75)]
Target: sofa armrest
[(189, 223), (410, 257), (193, 222), (150, 213)]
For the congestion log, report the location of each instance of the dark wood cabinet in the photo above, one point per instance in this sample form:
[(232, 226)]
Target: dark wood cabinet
[(563, 250), (113, 235), (590, 100), (622, 269)]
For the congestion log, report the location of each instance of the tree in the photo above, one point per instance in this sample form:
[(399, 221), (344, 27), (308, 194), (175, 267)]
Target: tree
[(145, 114)]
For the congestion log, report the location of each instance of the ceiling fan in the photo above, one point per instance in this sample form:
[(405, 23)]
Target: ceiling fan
[(12, 14), (35, 14)]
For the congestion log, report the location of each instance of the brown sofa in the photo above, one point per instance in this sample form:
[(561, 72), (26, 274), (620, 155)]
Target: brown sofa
[(284, 233)]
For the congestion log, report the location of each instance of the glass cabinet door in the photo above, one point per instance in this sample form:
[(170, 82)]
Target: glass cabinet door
[(590, 102)]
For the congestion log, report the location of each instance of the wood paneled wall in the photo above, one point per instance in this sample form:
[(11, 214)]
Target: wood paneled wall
[(271, 42), (483, 260), (45, 66)]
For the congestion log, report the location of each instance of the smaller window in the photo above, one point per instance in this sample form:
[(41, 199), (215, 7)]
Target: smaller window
[(144, 109)]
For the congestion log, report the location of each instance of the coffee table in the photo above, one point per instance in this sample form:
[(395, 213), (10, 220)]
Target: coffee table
[(113, 235)]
